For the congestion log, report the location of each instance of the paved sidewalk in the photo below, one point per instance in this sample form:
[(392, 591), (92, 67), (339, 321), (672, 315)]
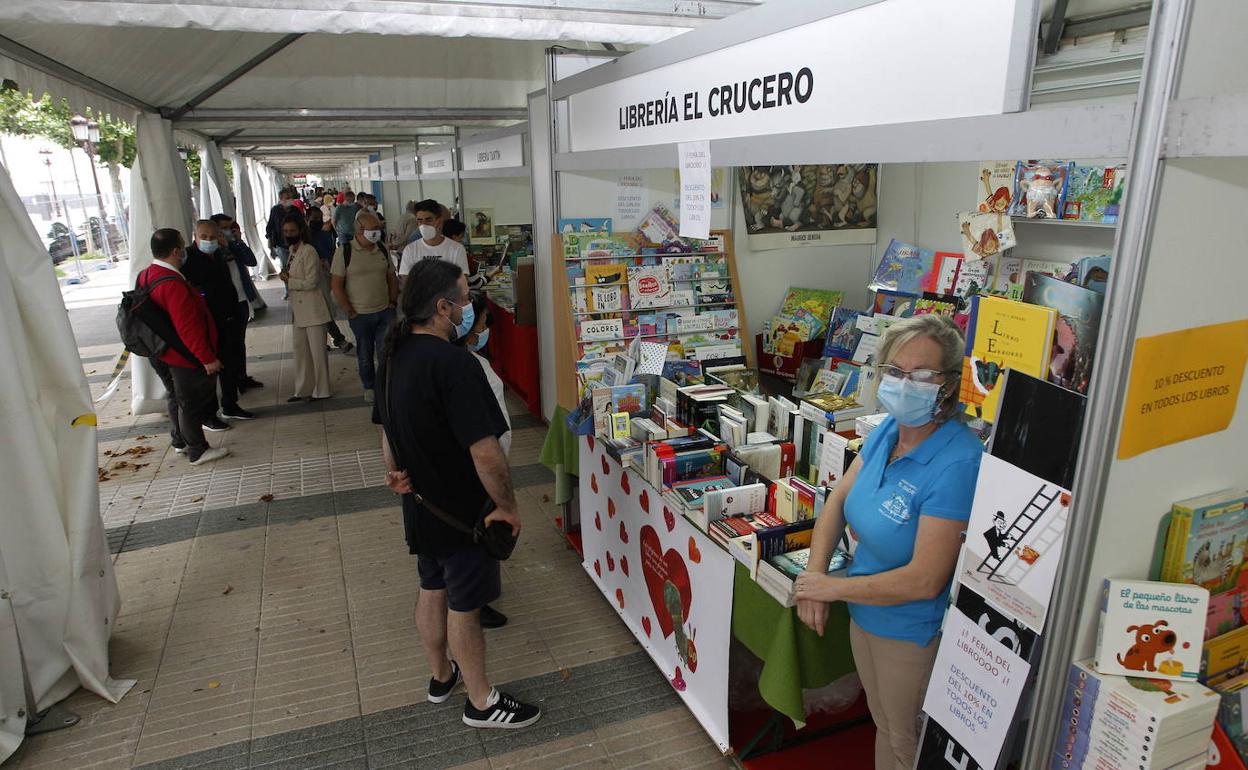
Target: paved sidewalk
[(268, 602)]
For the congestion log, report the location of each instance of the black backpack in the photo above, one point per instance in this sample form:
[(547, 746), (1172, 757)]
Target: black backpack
[(145, 328)]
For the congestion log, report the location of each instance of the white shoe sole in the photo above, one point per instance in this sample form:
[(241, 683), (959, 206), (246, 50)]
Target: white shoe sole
[(236, 417), (444, 698), (487, 724)]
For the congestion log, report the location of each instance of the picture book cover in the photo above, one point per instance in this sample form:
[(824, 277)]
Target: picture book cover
[(1093, 272), (605, 283), (817, 302), (649, 286), (1013, 272), (974, 276), (944, 276), (1040, 189), (995, 190), (1006, 335), (843, 333), (985, 235), (1074, 333), (904, 267), (691, 492), (1094, 193), (586, 225), (734, 501), (1208, 540), (927, 305), (894, 304), (1151, 629), (630, 399), (1225, 656), (713, 291), (1038, 427), (1014, 540)]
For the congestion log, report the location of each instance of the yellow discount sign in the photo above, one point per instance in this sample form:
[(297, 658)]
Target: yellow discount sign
[(1183, 384)]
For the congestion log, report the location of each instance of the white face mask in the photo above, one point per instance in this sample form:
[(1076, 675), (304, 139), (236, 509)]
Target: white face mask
[(428, 232), (372, 236)]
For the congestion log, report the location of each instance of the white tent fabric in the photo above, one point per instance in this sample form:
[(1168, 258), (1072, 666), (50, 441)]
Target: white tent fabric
[(160, 196), (60, 596), (216, 194)]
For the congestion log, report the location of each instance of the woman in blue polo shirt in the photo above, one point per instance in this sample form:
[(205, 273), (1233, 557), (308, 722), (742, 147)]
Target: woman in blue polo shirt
[(906, 499)]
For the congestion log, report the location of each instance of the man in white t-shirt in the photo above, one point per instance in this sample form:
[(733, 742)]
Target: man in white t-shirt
[(431, 244)]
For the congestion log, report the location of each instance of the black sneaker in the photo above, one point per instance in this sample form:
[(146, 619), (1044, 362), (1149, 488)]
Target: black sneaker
[(237, 413), (347, 348), (440, 691), (492, 618), (251, 382), (216, 424), (501, 711)]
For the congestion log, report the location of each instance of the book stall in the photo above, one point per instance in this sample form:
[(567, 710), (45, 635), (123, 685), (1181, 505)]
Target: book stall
[(1083, 630)]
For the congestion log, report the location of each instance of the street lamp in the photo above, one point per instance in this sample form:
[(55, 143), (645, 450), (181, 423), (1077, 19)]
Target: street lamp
[(69, 222), (87, 134)]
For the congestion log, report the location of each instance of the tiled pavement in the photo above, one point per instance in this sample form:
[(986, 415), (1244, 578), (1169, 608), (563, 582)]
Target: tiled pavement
[(268, 608)]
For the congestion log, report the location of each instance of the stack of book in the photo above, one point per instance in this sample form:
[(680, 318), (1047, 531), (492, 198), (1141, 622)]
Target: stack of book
[(685, 497), (1234, 698), (698, 405), (867, 423), (736, 534), (1114, 722), (727, 502), (777, 573), (681, 459)]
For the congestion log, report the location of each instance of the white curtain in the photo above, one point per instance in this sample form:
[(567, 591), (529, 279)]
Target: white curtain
[(262, 199), (58, 594), (216, 194), (160, 196)]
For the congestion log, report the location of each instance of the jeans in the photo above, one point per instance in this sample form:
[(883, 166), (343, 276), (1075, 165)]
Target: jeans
[(191, 398), (370, 332)]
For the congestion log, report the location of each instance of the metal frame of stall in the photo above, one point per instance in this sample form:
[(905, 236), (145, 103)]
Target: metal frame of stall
[(1146, 131)]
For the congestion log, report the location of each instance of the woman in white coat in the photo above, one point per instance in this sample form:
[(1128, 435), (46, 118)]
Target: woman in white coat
[(308, 311)]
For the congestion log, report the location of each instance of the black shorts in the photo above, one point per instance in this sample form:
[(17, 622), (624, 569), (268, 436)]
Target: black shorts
[(470, 578)]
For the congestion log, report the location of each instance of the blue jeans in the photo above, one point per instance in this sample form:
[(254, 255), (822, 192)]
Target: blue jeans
[(370, 332)]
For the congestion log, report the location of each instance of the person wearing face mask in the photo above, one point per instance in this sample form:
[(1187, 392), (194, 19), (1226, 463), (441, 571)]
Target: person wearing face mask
[(273, 228), (906, 499), (237, 259), (308, 312), (366, 289), (322, 240), (440, 429), (432, 244), (207, 269), (344, 217)]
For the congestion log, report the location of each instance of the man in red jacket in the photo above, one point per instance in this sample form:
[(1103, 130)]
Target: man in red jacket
[(191, 383)]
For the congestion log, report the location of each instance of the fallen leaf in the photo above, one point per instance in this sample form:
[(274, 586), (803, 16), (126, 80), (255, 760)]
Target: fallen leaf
[(565, 673), (228, 589), (545, 498), (266, 498), (213, 685), (198, 499)]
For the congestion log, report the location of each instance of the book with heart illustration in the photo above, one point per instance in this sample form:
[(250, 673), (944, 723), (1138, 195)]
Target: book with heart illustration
[(1003, 334), (1151, 629)]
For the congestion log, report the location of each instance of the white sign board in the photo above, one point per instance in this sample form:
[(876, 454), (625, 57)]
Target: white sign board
[(387, 170), (695, 189), (669, 582), (608, 329), (407, 168), (437, 162), (912, 60), (507, 152)]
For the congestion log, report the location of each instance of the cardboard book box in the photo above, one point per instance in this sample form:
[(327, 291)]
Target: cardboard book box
[(786, 366)]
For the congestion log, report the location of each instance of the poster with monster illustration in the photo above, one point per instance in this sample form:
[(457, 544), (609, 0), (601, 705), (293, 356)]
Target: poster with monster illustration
[(788, 206), (670, 583)]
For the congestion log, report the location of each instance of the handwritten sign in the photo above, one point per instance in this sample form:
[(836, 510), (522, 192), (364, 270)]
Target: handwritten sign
[(697, 323), (695, 189), (1183, 384), (631, 198), (610, 329), (974, 689)]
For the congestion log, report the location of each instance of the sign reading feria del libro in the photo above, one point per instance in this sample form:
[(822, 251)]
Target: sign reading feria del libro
[(886, 62)]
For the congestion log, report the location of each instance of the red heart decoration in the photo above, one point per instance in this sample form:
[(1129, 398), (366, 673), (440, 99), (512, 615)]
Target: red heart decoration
[(624, 484), (695, 556), (619, 597), (669, 519), (623, 533), (598, 567), (644, 499), (624, 565), (661, 568), (593, 482), (590, 440), (598, 521), (606, 469), (610, 508), (610, 562), (645, 623)]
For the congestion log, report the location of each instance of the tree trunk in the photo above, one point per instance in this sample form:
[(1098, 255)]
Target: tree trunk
[(114, 173)]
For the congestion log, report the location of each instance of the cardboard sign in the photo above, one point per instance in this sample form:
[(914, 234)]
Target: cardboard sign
[(1183, 384), (610, 329)]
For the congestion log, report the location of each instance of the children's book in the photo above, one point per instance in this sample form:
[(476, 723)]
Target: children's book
[(894, 304), (1224, 656), (974, 276), (995, 188), (1151, 629), (904, 268), (1038, 427), (649, 286), (1206, 544), (1093, 272), (1005, 335), (1075, 331), (843, 333), (817, 302), (944, 275), (985, 235), (1094, 193), (1040, 189)]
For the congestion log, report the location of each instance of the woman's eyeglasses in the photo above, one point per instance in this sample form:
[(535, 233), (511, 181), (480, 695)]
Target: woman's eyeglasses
[(914, 375)]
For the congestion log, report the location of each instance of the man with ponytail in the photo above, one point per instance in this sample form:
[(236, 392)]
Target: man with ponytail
[(440, 431)]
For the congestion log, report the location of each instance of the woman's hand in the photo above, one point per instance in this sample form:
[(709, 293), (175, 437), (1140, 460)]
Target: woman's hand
[(399, 482), (815, 586), (813, 613)]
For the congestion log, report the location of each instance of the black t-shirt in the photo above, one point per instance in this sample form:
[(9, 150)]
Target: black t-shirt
[(440, 406)]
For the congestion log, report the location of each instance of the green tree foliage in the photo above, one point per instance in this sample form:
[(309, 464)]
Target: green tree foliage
[(21, 114)]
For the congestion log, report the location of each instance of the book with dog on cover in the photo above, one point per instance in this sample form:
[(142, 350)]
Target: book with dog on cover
[(1151, 629)]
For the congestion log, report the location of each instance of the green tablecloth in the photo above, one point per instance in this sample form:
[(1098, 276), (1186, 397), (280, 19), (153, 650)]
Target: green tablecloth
[(794, 657), (561, 453)]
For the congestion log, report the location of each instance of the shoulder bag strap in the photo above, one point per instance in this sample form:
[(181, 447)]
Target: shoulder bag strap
[(384, 408)]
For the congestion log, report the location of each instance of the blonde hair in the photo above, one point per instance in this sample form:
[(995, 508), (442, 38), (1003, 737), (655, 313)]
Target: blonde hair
[(945, 333)]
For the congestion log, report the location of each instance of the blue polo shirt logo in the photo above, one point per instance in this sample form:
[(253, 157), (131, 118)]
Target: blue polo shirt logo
[(896, 507)]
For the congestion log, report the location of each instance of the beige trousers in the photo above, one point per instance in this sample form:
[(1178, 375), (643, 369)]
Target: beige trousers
[(894, 674), (311, 361)]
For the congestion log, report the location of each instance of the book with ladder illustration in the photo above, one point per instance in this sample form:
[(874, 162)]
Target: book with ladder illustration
[(1014, 540)]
